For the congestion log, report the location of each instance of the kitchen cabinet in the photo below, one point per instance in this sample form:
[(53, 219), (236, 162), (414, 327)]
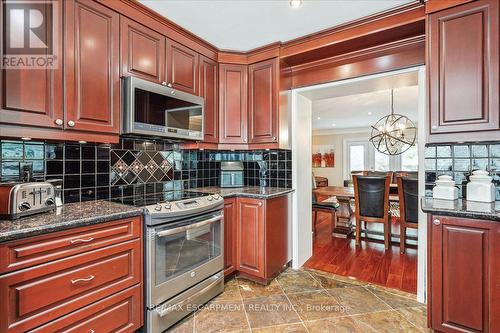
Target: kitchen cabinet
[(464, 275), (142, 51), (229, 236), (463, 69), (261, 237), (263, 101), (92, 73), (209, 83), (182, 67), (90, 276), (233, 83), (34, 97)]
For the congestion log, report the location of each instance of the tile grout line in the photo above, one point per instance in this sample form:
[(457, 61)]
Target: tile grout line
[(243, 303)]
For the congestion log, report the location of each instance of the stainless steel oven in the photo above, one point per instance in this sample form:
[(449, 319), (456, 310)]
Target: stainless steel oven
[(157, 110), (184, 265)]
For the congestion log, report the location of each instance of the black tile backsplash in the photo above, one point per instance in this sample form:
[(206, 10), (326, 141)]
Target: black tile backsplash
[(459, 161), (93, 172)]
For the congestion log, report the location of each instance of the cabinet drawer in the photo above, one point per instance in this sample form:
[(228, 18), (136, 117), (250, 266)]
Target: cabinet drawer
[(28, 252), (121, 312), (36, 295)]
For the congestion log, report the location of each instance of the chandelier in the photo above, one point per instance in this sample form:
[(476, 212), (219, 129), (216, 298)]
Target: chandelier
[(393, 134)]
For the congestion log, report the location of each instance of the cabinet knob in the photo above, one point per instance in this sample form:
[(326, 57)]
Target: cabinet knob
[(436, 222), (244, 139), (164, 83), (434, 127), (274, 138), (169, 85), (260, 204), (71, 123), (59, 122)]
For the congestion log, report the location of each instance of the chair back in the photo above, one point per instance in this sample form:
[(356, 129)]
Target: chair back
[(408, 199), (371, 194)]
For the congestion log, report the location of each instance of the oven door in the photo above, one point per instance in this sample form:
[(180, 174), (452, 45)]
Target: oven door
[(183, 254)]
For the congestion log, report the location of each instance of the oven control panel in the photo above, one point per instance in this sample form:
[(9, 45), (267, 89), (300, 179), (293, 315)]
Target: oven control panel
[(167, 210)]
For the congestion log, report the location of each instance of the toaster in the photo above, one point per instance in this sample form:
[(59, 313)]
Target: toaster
[(23, 199)]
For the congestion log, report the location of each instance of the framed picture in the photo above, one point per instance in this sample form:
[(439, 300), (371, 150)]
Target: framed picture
[(323, 156)]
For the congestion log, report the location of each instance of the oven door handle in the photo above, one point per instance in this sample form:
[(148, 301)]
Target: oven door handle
[(188, 299), (187, 227)]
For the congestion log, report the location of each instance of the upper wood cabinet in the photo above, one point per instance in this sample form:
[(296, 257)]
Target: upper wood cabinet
[(263, 101), (464, 288), (464, 72), (92, 72), (32, 97), (233, 83), (142, 51), (209, 83), (182, 67)]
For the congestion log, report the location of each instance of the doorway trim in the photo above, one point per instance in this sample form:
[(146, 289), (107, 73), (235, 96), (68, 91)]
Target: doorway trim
[(301, 113)]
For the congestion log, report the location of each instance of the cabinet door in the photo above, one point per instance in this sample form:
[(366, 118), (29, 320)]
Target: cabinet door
[(209, 83), (464, 282), (33, 97), (233, 103), (230, 217), (182, 67), (250, 242), (263, 101), (92, 70), (463, 69), (142, 51)]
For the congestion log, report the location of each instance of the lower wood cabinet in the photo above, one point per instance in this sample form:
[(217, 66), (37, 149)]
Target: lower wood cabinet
[(94, 284), (256, 237), (464, 275)]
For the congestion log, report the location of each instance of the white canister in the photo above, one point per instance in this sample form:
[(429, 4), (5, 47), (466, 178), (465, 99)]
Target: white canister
[(480, 188), (445, 188)]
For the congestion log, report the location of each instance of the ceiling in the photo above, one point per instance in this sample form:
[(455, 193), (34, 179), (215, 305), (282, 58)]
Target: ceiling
[(242, 25), (357, 106)]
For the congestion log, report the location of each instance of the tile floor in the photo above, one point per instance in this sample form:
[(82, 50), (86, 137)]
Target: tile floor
[(308, 301)]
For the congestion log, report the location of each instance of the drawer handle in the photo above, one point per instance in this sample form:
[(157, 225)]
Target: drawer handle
[(436, 222), (91, 331), (90, 278), (81, 240)]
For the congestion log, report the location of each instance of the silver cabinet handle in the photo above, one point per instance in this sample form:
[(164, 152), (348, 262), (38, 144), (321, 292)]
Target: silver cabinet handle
[(81, 240), (274, 138), (436, 222), (87, 279), (71, 123), (191, 226), (260, 204), (91, 331), (59, 122)]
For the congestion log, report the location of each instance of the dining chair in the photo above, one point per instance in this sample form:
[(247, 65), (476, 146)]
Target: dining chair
[(408, 207), (371, 195), (319, 206)]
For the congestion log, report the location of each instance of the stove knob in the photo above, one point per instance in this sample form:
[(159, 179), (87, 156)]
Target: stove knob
[(216, 196), (209, 198), (49, 202), (24, 206), (158, 208), (168, 206)]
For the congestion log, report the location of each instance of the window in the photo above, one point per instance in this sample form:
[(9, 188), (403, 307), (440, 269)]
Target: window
[(409, 159), (382, 161), (357, 157)]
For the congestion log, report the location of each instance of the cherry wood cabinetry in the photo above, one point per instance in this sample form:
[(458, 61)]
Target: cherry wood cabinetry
[(233, 85), (90, 276), (209, 83), (263, 101), (261, 237), (92, 72), (33, 97), (182, 67), (463, 65), (142, 51), (230, 218), (464, 275)]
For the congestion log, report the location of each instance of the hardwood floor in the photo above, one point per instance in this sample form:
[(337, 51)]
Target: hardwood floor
[(368, 263)]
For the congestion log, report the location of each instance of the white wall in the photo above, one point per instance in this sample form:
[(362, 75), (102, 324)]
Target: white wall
[(335, 175), (302, 180)]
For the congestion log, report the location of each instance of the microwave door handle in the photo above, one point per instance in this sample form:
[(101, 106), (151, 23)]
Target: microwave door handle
[(187, 227)]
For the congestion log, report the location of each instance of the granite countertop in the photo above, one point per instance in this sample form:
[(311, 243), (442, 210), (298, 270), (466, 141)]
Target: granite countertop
[(68, 216), (462, 208), (245, 191)]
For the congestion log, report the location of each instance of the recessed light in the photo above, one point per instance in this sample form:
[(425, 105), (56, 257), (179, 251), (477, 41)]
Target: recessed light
[(82, 142), (295, 3), (333, 125), (369, 113), (26, 139), (319, 118)]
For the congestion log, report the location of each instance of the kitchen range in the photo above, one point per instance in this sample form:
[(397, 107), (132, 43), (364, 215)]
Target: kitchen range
[(184, 244)]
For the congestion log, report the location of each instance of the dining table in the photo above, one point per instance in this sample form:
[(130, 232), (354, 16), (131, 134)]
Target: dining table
[(344, 195)]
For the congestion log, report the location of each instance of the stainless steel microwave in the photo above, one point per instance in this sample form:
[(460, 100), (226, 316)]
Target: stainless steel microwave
[(153, 109)]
